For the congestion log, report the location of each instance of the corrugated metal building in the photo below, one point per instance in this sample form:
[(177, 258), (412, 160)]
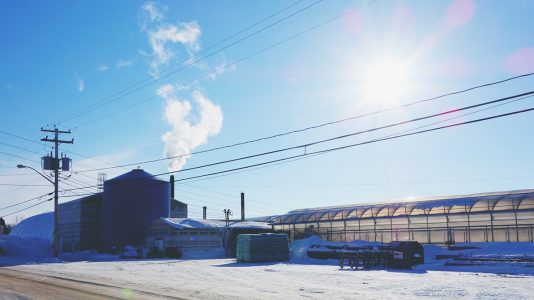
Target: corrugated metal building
[(178, 209), (131, 202), (117, 217), (184, 233), (80, 224)]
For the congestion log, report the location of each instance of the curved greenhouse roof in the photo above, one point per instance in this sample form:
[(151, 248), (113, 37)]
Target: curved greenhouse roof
[(485, 202)]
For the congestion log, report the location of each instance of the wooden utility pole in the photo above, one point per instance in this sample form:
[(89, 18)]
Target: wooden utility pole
[(55, 168), (227, 214)]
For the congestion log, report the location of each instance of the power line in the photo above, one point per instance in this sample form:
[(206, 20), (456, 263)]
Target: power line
[(391, 135), (25, 185), (78, 186), (359, 144), (20, 157), (309, 154), (20, 148), (78, 195), (187, 64), (231, 196), (335, 122), (229, 64), (26, 208), (25, 201), (499, 101), (19, 174), (346, 185), (23, 138), (350, 134)]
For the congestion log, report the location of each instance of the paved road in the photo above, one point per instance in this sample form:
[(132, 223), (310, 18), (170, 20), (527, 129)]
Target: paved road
[(15, 284)]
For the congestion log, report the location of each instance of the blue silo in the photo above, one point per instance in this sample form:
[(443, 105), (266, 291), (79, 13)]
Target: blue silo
[(131, 202)]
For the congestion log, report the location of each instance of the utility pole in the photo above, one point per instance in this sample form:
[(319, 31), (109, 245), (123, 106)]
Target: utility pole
[(242, 207), (55, 167), (227, 214)]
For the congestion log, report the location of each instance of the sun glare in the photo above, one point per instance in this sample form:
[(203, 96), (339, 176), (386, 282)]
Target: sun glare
[(386, 81)]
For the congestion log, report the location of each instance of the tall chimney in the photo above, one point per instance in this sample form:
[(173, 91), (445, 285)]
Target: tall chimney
[(204, 208), (172, 186), (242, 206)]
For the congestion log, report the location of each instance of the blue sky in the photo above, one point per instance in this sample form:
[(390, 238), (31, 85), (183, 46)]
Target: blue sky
[(61, 57)]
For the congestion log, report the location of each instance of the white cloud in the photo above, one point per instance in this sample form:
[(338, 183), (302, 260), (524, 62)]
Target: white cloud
[(102, 68), (124, 63), (163, 35), (153, 12), (188, 130), (186, 34), (221, 69), (81, 85)]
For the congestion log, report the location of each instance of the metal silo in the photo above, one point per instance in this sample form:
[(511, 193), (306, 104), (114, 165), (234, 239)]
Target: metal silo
[(131, 202)]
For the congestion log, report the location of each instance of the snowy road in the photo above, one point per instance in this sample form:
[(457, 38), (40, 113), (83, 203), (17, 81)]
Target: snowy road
[(27, 285), (224, 279)]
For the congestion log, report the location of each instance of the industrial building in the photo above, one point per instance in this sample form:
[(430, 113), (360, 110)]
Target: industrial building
[(131, 202), (178, 209), (165, 233), (80, 224), (490, 217), (117, 217), (137, 209)]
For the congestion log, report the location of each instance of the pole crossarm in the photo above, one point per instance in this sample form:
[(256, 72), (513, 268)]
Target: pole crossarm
[(58, 141), (55, 130)]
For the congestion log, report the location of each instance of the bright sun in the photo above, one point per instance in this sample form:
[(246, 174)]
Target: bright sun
[(386, 81)]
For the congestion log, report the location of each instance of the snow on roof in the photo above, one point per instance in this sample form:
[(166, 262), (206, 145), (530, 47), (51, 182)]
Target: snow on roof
[(186, 223), (426, 202), (418, 206), (251, 224), (39, 226)]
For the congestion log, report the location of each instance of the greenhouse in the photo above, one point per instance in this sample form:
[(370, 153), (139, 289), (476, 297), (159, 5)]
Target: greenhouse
[(490, 217)]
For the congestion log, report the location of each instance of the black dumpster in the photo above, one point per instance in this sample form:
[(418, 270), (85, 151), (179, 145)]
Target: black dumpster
[(405, 254)]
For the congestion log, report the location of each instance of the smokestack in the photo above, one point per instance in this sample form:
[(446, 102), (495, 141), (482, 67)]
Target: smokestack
[(172, 186), (204, 209), (242, 206)]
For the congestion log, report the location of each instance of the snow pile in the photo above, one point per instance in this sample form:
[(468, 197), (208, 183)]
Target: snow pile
[(203, 253), (298, 249), (17, 247), (497, 249), (88, 255)]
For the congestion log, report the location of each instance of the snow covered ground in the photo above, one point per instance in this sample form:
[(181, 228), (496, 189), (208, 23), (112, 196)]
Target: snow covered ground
[(221, 278)]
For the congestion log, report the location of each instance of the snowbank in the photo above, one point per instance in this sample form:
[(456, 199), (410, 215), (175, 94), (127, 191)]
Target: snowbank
[(203, 253), (17, 247)]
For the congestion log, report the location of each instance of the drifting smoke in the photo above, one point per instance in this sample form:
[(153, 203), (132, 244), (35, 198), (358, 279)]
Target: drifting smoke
[(192, 122), (188, 130)]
